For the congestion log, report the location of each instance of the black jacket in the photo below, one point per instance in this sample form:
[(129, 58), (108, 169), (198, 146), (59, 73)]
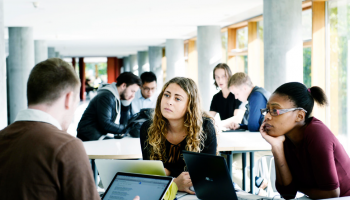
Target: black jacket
[(99, 117)]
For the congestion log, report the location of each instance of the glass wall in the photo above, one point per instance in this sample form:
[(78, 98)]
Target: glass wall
[(242, 46), (339, 59), (307, 36)]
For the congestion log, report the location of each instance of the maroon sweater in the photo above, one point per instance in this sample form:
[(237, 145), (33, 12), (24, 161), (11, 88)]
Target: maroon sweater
[(320, 162)]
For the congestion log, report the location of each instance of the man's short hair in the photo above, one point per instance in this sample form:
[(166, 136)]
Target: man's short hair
[(129, 79), (148, 77), (49, 79), (239, 79)]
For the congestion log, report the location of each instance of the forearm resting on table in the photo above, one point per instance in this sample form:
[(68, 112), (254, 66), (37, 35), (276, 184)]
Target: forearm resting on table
[(237, 118), (283, 175), (321, 194)]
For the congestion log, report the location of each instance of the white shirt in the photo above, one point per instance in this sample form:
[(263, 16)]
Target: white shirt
[(140, 102), (37, 116)]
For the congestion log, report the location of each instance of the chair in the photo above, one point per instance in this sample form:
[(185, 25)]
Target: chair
[(266, 169)]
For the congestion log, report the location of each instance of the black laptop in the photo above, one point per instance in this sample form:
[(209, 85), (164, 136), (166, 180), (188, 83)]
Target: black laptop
[(210, 176)]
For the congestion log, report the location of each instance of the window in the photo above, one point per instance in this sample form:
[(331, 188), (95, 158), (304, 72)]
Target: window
[(339, 61)]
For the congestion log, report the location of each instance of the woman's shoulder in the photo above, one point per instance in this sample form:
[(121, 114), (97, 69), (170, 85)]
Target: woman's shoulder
[(208, 126), (144, 128), (317, 130), (218, 95)]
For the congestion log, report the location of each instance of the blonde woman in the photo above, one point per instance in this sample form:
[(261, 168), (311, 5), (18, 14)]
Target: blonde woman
[(178, 124)]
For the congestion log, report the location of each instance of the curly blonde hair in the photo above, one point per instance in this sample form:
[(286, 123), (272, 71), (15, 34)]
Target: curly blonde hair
[(193, 121)]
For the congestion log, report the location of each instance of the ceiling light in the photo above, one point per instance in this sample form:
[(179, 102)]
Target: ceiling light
[(36, 4)]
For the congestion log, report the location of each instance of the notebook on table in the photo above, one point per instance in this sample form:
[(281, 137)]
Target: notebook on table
[(108, 168)]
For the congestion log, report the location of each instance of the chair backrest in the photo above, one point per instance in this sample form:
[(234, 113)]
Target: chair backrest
[(266, 169)]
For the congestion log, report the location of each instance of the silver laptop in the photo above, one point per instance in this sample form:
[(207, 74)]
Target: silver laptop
[(128, 185), (108, 168)]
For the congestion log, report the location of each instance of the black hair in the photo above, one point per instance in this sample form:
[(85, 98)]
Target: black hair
[(303, 97), (147, 77), (129, 79)]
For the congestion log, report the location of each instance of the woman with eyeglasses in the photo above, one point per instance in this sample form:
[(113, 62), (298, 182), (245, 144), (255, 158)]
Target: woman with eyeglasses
[(308, 157)]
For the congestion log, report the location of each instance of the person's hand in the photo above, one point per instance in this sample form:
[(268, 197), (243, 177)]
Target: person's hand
[(137, 198), (234, 126), (274, 141), (183, 182)]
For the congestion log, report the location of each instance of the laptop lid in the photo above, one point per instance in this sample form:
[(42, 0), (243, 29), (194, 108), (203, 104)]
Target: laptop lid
[(210, 176), (128, 185), (108, 168)]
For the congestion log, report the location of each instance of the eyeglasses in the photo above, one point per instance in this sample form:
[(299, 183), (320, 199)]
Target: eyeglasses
[(147, 89), (276, 112)]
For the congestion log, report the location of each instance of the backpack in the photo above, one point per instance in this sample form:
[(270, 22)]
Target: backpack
[(136, 121)]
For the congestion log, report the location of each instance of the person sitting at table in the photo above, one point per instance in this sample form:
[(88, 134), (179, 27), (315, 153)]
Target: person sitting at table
[(178, 124), (242, 87), (224, 102), (146, 97), (102, 115), (308, 156)]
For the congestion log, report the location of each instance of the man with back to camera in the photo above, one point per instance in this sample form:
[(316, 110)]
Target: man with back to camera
[(145, 98), (39, 159), (102, 115), (242, 87)]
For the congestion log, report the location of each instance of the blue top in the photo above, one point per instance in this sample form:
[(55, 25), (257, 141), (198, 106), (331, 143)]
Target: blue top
[(256, 101), (140, 102)]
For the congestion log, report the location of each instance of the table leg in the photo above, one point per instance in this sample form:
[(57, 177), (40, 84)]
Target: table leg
[(244, 171), (252, 177), (94, 171), (229, 162)]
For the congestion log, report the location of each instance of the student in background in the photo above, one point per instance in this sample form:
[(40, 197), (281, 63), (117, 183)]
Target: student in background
[(224, 102), (102, 115), (308, 156), (178, 124), (146, 97), (39, 159), (242, 87)]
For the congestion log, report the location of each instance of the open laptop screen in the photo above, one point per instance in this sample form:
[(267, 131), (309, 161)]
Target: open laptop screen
[(127, 186)]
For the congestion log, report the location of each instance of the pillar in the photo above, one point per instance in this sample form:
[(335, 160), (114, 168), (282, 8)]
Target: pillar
[(126, 65), (51, 52), (175, 61), (142, 61), (57, 54), (41, 53), (21, 61), (155, 55), (209, 55), (133, 64), (3, 86), (82, 78), (283, 44), (74, 63)]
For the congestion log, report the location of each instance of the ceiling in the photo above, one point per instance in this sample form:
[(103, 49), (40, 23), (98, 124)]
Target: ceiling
[(121, 27)]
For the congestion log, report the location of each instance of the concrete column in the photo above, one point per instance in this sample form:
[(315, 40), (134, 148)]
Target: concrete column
[(3, 86), (51, 52), (283, 44), (126, 64), (57, 54), (209, 55), (155, 64), (21, 61), (133, 64), (142, 61), (175, 61), (41, 51)]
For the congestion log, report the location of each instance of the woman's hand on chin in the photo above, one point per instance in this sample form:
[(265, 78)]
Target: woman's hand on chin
[(183, 182), (275, 141)]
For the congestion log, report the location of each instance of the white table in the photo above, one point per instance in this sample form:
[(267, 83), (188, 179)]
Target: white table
[(228, 143)]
